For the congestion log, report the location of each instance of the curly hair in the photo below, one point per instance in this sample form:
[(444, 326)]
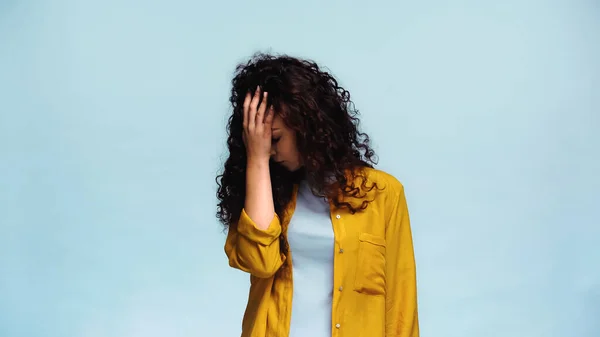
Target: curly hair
[(312, 103)]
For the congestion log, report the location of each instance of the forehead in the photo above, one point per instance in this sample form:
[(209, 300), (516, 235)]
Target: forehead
[(278, 123)]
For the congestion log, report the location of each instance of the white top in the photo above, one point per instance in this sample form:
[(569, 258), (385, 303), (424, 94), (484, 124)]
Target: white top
[(311, 243)]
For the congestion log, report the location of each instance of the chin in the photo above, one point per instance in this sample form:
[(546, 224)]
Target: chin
[(294, 168), (288, 167)]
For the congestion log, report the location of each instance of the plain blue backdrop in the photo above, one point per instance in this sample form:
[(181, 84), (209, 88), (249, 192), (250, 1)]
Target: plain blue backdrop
[(112, 118)]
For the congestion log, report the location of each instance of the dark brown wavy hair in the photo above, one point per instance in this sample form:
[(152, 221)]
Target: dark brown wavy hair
[(312, 103)]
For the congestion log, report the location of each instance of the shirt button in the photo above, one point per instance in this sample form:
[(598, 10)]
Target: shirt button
[(341, 251), (341, 288), (337, 326), (337, 216)]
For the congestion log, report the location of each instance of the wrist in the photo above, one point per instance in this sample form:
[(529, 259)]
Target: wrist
[(258, 162)]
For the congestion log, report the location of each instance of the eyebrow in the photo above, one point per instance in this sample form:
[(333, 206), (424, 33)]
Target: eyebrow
[(274, 129)]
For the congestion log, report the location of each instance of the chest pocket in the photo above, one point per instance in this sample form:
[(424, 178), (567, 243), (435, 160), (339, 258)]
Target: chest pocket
[(370, 268)]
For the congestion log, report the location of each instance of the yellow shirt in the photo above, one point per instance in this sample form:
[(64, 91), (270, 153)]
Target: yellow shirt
[(374, 275)]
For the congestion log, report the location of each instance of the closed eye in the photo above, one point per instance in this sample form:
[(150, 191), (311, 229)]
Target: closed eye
[(275, 140)]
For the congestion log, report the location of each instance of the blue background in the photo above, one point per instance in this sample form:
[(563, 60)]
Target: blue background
[(112, 119)]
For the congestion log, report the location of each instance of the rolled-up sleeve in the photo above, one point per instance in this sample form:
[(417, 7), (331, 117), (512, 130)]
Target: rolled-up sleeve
[(252, 249)]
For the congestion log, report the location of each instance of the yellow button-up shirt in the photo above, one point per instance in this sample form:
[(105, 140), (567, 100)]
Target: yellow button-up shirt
[(374, 276)]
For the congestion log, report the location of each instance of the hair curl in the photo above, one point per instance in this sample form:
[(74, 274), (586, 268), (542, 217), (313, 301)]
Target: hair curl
[(312, 103)]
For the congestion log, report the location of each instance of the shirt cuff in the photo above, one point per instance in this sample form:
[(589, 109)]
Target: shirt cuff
[(248, 229)]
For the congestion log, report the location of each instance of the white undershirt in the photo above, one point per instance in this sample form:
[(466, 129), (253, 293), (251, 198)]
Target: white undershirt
[(311, 242)]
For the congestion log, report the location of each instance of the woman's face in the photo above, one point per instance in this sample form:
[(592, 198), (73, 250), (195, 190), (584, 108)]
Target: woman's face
[(284, 150)]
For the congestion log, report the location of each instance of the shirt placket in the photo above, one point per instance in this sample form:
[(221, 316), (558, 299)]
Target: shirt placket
[(338, 268)]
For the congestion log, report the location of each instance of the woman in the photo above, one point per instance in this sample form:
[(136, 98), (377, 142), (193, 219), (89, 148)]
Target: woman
[(325, 237)]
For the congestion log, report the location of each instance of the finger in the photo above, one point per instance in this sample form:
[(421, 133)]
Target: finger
[(260, 114), (269, 118), (246, 109), (253, 106)]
